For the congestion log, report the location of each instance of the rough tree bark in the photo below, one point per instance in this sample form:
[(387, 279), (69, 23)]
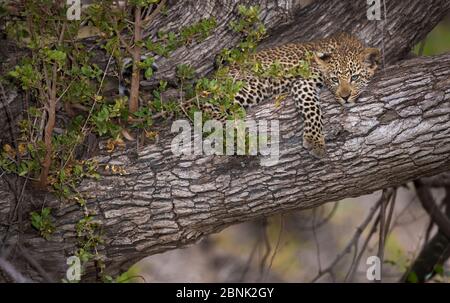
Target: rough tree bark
[(400, 130)]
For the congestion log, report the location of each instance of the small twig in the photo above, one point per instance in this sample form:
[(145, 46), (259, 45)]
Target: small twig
[(391, 212), (65, 91), (265, 237), (35, 264), (249, 261), (323, 222), (356, 261), (277, 246), (316, 241), (382, 223), (83, 129), (133, 102), (150, 17), (15, 212), (124, 43), (8, 114)]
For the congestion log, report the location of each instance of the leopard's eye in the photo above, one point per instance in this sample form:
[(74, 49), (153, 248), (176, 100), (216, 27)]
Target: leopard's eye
[(335, 79), (355, 77)]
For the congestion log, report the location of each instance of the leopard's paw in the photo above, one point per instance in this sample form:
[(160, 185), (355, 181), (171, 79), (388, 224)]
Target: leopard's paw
[(315, 146)]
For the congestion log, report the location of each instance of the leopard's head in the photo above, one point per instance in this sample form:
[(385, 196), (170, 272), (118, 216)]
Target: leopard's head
[(347, 66)]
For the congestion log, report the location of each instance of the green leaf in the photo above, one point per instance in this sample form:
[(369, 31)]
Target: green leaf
[(148, 73), (56, 56), (412, 277), (439, 269), (45, 212)]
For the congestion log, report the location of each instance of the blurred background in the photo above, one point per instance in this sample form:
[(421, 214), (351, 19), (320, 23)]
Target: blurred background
[(296, 247)]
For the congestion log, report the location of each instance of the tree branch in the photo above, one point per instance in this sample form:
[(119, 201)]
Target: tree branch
[(407, 24), (430, 206), (435, 252), (164, 201)]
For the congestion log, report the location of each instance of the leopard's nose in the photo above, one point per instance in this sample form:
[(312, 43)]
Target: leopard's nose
[(344, 94)]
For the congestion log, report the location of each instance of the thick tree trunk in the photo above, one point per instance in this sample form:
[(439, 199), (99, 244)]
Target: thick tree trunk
[(398, 131)]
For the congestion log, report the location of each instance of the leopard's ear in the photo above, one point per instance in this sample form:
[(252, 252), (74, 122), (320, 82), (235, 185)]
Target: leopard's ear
[(371, 57), (322, 58)]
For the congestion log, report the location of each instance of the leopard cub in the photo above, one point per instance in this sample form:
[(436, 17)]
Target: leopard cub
[(340, 63)]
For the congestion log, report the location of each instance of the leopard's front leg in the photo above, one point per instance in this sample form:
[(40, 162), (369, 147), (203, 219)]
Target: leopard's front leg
[(306, 96)]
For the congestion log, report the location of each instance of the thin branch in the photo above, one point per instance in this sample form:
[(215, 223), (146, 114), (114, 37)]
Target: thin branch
[(267, 246), (249, 261), (84, 128), (133, 103), (428, 203), (8, 113), (155, 12), (357, 260), (277, 245), (381, 242), (321, 223), (391, 212), (390, 200), (316, 241), (12, 272), (35, 264), (351, 243), (435, 252)]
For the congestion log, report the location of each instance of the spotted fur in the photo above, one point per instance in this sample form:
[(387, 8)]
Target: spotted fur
[(341, 63)]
